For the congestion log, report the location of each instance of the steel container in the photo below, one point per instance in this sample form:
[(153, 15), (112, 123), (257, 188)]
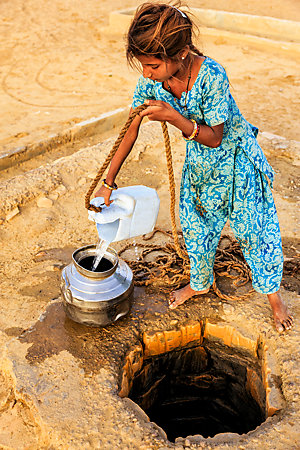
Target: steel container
[(96, 298)]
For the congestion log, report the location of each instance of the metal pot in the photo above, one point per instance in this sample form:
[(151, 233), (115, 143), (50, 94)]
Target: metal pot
[(96, 298)]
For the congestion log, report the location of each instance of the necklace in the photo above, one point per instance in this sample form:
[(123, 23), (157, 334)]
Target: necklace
[(186, 91)]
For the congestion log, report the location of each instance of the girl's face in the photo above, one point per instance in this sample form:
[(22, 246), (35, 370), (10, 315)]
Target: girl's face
[(156, 69)]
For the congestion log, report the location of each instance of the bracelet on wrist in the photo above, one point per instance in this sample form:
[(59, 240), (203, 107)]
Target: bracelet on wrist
[(114, 187), (198, 129), (195, 131)]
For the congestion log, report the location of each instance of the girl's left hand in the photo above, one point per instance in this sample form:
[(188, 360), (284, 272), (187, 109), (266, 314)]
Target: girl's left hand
[(158, 110)]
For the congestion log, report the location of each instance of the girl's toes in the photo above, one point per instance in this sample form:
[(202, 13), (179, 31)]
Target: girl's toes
[(172, 301), (174, 304), (279, 327)]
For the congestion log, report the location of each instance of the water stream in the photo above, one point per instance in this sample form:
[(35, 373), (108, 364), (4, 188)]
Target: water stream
[(100, 252), (101, 249)]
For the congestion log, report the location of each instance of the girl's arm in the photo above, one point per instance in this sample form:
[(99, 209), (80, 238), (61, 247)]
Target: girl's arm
[(158, 110), (119, 157), (209, 136)]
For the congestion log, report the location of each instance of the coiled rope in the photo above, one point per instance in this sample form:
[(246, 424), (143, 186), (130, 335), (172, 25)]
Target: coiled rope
[(171, 268)]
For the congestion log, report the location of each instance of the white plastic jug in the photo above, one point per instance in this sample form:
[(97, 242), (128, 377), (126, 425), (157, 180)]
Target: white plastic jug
[(132, 213)]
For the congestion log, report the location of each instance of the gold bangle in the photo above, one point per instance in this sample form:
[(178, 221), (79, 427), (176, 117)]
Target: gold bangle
[(194, 132), (114, 187)]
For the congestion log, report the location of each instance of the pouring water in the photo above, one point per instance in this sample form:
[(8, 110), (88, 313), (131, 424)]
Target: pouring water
[(133, 213), (100, 252)]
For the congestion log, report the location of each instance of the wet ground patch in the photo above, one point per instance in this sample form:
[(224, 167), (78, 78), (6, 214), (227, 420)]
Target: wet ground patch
[(94, 347)]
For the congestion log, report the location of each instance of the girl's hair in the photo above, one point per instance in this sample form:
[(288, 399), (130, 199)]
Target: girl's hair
[(159, 30)]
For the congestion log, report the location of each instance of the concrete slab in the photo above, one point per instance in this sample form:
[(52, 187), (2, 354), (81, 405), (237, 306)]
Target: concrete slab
[(262, 26), (267, 27), (96, 125), (258, 31)]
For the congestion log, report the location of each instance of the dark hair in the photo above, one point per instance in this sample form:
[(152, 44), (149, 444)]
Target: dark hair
[(159, 30)]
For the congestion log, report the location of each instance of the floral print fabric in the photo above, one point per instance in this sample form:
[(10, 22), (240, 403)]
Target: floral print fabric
[(228, 182)]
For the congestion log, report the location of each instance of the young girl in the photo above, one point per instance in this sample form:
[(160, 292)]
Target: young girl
[(225, 174)]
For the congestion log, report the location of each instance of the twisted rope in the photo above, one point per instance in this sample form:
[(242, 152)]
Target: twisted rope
[(180, 252), (171, 268), (168, 270), (109, 158)]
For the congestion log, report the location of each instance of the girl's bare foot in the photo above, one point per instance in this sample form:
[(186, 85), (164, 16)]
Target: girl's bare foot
[(181, 295), (283, 321)]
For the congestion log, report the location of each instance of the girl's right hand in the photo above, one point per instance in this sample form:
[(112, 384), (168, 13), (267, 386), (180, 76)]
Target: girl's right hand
[(105, 193)]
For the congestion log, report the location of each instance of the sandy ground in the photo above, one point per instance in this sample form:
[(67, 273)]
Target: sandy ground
[(58, 384), (58, 67)]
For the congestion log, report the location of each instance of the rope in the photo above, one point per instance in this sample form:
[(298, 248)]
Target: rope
[(109, 158), (160, 265), (171, 268), (180, 252)]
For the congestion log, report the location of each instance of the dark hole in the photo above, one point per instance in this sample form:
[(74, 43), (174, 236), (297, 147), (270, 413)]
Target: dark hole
[(201, 390), (103, 266)]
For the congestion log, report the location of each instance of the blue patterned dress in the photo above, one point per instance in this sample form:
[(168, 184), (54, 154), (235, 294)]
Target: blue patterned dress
[(228, 182)]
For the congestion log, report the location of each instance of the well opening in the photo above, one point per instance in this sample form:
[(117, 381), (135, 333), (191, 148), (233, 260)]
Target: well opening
[(199, 390), (203, 386)]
